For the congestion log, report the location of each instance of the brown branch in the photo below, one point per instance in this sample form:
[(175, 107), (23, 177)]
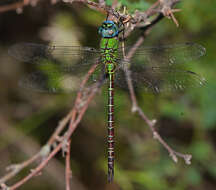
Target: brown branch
[(72, 114), (68, 134), (16, 168), (167, 10), (160, 6), (18, 5), (55, 168), (54, 137), (11, 7), (36, 170)]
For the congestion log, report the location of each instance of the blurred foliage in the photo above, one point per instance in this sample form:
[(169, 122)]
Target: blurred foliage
[(186, 120)]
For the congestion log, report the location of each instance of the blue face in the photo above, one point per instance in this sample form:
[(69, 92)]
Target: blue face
[(108, 29)]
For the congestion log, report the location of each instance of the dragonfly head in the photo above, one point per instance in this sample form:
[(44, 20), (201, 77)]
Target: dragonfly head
[(108, 29)]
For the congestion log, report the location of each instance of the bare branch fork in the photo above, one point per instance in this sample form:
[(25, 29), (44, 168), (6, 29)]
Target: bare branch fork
[(58, 142)]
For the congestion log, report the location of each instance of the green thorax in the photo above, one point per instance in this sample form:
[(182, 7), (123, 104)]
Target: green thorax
[(109, 53)]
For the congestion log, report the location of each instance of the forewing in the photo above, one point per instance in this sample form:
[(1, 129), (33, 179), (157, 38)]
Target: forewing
[(165, 55), (59, 68), (64, 56)]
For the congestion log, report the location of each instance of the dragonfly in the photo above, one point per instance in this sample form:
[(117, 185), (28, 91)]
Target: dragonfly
[(155, 69)]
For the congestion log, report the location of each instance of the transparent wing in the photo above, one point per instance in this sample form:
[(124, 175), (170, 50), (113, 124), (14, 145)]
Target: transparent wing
[(154, 66), (165, 55), (58, 82), (64, 56), (160, 79), (59, 68)]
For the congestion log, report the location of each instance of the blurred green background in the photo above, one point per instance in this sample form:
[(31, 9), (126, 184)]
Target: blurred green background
[(186, 120)]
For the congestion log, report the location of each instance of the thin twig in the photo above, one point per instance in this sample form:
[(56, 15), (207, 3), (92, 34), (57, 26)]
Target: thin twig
[(72, 127), (136, 108), (18, 5), (68, 172), (11, 7), (37, 169), (73, 112), (61, 126), (16, 168)]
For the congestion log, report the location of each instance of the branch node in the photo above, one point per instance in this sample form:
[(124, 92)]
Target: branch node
[(45, 150), (37, 174), (155, 135), (65, 145), (58, 138), (3, 186), (134, 108), (153, 122), (19, 10), (13, 168), (187, 158)]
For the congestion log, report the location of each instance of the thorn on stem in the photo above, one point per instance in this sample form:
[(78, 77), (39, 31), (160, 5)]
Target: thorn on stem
[(168, 12), (174, 157)]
